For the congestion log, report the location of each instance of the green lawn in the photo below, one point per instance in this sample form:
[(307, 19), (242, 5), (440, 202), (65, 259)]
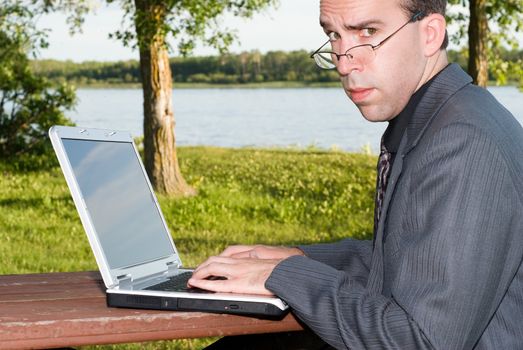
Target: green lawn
[(248, 196)]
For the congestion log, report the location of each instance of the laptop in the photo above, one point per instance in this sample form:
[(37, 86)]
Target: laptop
[(133, 248)]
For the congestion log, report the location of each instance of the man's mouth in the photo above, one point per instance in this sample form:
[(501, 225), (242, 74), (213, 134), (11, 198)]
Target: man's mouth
[(359, 94)]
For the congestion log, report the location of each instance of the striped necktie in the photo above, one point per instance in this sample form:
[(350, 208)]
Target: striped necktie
[(384, 166)]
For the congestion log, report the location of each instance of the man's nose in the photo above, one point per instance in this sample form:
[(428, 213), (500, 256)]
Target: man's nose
[(347, 64)]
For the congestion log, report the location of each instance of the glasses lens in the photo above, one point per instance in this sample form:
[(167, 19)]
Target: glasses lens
[(325, 60), (361, 54)]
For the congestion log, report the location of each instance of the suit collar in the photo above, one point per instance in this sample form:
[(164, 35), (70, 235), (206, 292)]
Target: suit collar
[(445, 84)]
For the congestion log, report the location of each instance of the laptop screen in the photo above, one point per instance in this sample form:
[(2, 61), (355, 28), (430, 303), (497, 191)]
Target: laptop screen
[(121, 206)]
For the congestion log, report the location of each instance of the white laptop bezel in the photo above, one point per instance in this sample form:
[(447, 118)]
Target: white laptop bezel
[(111, 277)]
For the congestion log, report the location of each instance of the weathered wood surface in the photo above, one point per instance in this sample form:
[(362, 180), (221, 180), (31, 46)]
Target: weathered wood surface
[(69, 309)]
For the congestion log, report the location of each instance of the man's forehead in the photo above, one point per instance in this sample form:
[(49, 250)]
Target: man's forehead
[(357, 3), (354, 12)]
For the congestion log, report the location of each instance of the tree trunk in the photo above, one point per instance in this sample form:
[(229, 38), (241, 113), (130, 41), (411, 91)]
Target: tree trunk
[(478, 37), (161, 162)]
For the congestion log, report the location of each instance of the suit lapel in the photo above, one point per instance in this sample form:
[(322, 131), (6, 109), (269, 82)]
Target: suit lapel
[(448, 82), (376, 277)]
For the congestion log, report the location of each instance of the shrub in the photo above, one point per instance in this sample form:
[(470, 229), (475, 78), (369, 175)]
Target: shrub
[(29, 104)]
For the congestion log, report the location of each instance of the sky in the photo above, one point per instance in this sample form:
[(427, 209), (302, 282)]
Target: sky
[(293, 25)]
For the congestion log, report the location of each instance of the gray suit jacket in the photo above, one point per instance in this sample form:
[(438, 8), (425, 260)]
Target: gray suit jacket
[(446, 271)]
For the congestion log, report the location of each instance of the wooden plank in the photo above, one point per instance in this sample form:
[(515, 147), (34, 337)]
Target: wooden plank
[(50, 278), (69, 309), (124, 329), (64, 291)]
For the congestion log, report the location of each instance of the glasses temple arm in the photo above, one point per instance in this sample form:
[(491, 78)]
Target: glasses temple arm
[(418, 16), (321, 47)]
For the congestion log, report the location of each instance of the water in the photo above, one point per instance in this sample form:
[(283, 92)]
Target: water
[(320, 117)]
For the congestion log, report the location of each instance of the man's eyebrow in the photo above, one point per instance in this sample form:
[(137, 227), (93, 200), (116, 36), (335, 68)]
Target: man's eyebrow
[(358, 26), (365, 24)]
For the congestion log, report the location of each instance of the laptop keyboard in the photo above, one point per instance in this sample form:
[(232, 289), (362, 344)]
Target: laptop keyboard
[(177, 283)]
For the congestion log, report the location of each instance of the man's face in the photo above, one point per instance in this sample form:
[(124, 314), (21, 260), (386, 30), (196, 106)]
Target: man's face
[(381, 87)]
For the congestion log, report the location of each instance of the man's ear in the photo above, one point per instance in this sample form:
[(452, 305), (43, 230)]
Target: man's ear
[(433, 33)]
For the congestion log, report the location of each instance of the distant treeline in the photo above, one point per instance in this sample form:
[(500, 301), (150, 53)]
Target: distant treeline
[(247, 67)]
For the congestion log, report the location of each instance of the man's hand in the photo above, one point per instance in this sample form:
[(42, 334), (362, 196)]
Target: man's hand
[(246, 268), (260, 252)]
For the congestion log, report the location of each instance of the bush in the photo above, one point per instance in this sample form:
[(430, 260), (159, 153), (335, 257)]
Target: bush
[(198, 78), (29, 104), (220, 78)]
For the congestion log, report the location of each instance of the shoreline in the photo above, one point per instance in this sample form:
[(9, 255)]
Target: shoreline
[(266, 85)]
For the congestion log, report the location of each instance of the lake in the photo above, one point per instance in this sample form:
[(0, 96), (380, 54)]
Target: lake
[(320, 117)]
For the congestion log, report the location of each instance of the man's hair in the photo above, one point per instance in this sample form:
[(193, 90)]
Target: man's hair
[(427, 7)]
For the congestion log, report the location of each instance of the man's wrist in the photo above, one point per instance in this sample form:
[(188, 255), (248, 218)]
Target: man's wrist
[(297, 251)]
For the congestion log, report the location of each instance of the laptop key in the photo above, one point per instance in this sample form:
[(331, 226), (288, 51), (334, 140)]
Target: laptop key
[(176, 283)]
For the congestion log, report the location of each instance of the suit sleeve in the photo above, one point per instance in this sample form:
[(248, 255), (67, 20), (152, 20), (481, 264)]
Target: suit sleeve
[(458, 255), (349, 255)]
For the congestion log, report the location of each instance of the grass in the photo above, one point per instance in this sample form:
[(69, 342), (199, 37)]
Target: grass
[(281, 197)]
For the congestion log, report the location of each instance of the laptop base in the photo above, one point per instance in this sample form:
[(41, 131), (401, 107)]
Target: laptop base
[(263, 310)]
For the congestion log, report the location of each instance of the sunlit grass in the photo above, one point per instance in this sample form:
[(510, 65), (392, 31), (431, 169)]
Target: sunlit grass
[(281, 197)]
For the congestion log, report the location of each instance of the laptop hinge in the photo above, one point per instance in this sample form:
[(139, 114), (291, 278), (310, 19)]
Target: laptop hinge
[(125, 281), (172, 267)]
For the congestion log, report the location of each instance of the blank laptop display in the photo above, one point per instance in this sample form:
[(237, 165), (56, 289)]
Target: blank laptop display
[(133, 247)]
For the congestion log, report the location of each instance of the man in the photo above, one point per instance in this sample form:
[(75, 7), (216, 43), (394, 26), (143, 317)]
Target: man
[(444, 270)]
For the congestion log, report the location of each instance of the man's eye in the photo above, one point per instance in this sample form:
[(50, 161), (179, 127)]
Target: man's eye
[(333, 36), (368, 32)]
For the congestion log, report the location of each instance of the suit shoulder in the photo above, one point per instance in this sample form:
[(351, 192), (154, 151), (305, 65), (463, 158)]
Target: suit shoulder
[(477, 105), (481, 112), (473, 114)]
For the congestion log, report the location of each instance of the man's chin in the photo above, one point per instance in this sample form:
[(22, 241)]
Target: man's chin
[(370, 113)]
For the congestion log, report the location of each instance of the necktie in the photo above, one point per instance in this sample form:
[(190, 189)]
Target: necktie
[(384, 166)]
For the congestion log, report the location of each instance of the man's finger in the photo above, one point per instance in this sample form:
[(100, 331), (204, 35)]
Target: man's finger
[(213, 269), (245, 255), (235, 249), (212, 260), (223, 286)]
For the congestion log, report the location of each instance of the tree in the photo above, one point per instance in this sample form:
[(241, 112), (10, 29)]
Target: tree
[(478, 41), (149, 25), (29, 104), (154, 22), (491, 28)]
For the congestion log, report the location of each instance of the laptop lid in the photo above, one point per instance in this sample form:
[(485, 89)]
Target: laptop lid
[(116, 203)]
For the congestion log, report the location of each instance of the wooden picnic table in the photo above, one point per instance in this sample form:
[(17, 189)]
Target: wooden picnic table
[(69, 309)]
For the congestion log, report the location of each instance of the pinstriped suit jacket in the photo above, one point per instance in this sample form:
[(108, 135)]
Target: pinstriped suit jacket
[(446, 271)]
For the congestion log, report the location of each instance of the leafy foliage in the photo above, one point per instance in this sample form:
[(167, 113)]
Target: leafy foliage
[(505, 20), (29, 104), (243, 68), (185, 20), (75, 10), (247, 67)]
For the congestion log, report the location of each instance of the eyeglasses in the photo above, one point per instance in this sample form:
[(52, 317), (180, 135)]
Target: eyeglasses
[(364, 53)]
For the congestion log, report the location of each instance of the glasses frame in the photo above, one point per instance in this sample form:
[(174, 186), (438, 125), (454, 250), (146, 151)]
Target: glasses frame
[(416, 17)]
